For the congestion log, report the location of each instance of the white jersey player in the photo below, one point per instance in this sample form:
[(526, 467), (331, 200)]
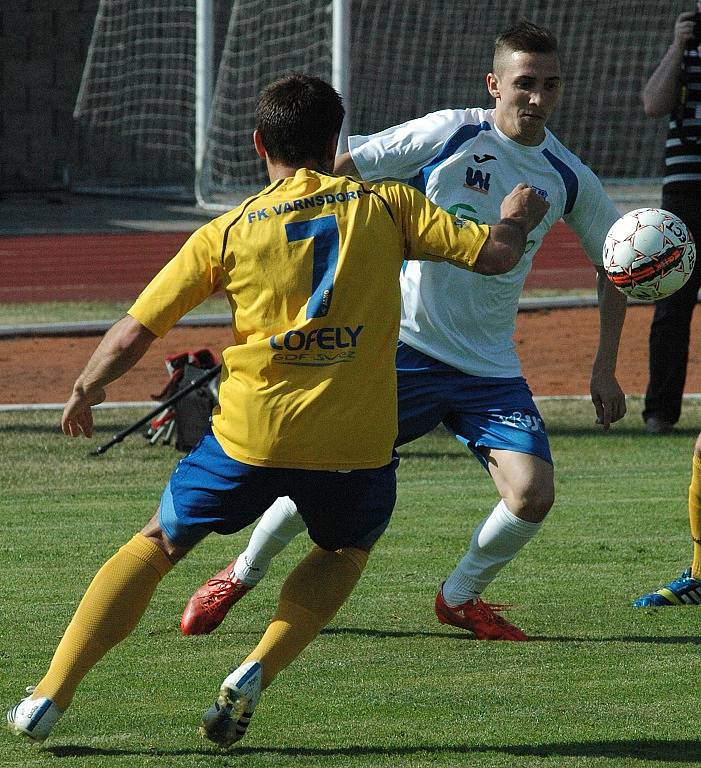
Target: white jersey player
[(462, 160), (456, 358)]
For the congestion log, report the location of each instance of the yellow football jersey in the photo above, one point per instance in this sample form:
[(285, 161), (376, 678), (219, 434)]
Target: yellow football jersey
[(310, 266)]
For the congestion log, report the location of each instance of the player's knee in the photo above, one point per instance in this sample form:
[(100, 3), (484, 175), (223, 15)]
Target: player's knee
[(153, 531), (544, 500), (532, 502)]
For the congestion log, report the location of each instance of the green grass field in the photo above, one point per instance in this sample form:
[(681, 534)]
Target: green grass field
[(601, 684)]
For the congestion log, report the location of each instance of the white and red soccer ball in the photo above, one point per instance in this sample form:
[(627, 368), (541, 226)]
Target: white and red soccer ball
[(649, 254)]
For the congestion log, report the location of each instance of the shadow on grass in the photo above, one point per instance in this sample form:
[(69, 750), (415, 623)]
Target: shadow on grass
[(671, 640), (49, 430), (678, 751), (465, 636), (101, 434)]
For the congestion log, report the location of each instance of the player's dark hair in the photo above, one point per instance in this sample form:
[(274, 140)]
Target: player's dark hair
[(297, 116), (526, 37)]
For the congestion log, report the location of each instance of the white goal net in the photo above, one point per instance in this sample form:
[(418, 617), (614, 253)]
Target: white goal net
[(139, 75), (407, 57)]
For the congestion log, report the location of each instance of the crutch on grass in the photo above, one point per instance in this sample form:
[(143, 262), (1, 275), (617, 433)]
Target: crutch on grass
[(200, 381)]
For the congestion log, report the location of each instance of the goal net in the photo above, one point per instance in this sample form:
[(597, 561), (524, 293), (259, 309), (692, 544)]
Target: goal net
[(407, 57), (139, 75), (410, 58)]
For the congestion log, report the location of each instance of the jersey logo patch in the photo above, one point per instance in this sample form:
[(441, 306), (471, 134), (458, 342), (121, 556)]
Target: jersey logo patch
[(483, 158), (525, 421), (317, 347), (475, 179), (464, 212)]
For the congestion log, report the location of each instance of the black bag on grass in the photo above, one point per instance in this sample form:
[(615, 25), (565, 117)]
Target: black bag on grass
[(194, 410), (189, 417)]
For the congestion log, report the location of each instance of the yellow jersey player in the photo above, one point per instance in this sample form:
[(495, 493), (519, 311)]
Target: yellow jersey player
[(307, 396)]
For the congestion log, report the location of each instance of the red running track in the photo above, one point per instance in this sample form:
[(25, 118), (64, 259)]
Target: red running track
[(88, 267)]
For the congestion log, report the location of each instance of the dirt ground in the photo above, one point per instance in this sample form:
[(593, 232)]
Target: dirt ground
[(556, 347)]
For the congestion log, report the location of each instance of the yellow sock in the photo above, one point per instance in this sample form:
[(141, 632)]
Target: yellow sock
[(695, 515), (110, 609), (309, 599)]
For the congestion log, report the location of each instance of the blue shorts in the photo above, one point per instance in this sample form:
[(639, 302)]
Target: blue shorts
[(209, 491), (482, 412)]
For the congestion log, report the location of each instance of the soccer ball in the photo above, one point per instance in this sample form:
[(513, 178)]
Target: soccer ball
[(649, 253)]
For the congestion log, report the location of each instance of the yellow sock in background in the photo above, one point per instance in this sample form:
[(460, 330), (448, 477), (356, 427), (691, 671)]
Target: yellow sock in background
[(110, 609), (309, 599), (695, 515)]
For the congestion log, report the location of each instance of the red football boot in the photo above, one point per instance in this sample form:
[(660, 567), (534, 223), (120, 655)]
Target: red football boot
[(478, 617), (207, 608)]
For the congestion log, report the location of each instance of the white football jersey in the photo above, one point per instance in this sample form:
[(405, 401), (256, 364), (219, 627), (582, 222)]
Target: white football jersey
[(461, 161)]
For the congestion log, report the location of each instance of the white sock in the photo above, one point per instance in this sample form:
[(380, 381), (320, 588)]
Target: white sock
[(275, 530), (495, 542)]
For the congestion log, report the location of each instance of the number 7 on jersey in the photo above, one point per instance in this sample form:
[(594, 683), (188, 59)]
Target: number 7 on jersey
[(324, 232)]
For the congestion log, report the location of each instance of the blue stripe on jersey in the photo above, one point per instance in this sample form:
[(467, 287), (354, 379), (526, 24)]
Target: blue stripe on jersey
[(463, 134), (569, 178)]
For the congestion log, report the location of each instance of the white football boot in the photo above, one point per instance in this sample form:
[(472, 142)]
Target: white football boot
[(33, 718), (226, 721)]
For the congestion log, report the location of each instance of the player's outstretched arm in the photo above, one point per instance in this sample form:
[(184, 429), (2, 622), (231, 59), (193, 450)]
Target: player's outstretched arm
[(607, 396), (521, 211), (120, 349)]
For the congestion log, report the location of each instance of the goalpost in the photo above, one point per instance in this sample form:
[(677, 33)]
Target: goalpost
[(204, 76), (182, 76)]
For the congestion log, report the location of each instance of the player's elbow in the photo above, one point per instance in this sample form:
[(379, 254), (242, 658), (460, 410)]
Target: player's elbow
[(344, 165), (653, 106), (128, 335), (654, 110)]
